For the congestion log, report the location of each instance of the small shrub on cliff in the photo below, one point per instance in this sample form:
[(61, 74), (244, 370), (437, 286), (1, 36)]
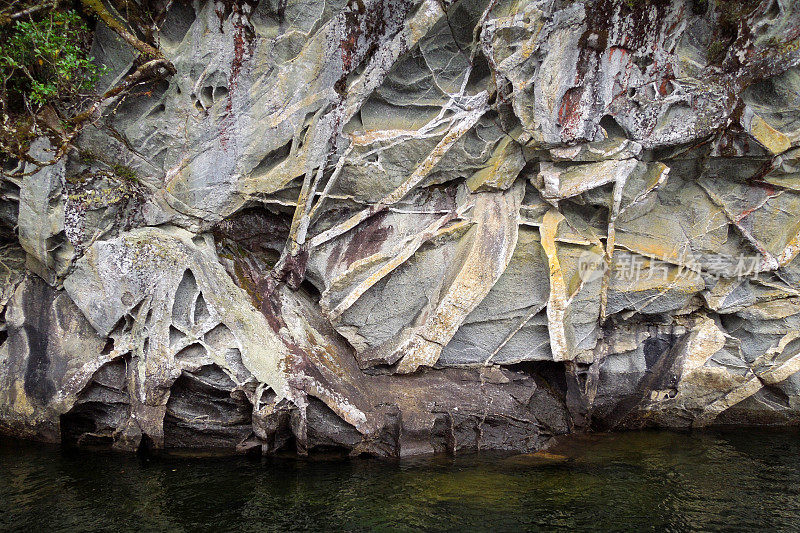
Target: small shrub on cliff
[(46, 60)]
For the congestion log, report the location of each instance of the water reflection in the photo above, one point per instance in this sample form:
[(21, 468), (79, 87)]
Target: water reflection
[(640, 481)]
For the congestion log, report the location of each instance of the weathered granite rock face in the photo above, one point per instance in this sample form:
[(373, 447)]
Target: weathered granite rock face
[(408, 226)]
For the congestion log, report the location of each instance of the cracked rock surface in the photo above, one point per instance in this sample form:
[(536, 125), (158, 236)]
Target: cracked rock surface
[(392, 227)]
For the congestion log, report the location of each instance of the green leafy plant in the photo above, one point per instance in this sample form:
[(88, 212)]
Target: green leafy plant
[(125, 173), (716, 51), (44, 60)]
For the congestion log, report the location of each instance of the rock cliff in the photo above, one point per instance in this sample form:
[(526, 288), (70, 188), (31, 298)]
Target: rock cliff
[(391, 227)]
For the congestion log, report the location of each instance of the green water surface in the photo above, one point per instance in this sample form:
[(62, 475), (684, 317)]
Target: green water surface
[(743, 480)]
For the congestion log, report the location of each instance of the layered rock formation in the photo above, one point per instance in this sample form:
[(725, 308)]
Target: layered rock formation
[(406, 226)]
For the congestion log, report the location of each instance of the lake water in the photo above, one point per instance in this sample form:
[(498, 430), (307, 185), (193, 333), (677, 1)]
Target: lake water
[(633, 481)]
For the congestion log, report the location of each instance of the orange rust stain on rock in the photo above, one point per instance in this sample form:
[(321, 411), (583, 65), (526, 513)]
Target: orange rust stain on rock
[(569, 112)]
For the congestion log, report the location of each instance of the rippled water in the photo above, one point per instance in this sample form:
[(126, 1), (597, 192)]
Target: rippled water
[(633, 481)]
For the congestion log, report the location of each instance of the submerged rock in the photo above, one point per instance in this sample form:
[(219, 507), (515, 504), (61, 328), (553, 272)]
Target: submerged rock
[(392, 227)]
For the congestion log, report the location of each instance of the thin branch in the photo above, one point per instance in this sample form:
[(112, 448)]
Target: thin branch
[(97, 8), (150, 70), (4, 21)]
